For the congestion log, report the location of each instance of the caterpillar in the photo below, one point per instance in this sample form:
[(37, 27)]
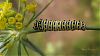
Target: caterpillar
[(54, 25)]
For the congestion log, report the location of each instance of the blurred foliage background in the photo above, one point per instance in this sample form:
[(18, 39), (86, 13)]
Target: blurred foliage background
[(68, 43)]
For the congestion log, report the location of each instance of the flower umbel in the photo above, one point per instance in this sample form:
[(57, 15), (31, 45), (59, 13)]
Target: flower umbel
[(12, 29)]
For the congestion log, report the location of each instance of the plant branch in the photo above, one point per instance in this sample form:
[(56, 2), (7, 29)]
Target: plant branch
[(19, 48), (24, 12), (33, 31), (87, 28), (32, 46), (92, 28), (19, 5), (25, 49)]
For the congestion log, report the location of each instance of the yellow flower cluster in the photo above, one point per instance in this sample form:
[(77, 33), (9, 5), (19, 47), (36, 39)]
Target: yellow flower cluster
[(8, 17), (16, 21), (31, 7), (19, 19), (6, 6), (11, 22), (3, 23)]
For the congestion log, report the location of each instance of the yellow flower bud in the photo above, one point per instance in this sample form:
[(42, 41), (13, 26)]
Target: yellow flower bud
[(2, 25), (11, 20), (6, 6), (19, 25), (3, 20), (19, 17), (31, 7), (1, 14)]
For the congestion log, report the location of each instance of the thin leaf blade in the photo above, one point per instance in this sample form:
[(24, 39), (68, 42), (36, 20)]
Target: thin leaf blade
[(32, 46)]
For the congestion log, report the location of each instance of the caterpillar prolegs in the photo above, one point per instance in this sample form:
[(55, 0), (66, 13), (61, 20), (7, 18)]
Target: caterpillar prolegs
[(54, 25)]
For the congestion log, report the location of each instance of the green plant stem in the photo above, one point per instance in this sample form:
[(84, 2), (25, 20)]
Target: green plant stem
[(32, 46), (92, 28), (33, 18), (19, 48), (31, 31), (24, 13), (87, 28), (19, 5), (25, 49)]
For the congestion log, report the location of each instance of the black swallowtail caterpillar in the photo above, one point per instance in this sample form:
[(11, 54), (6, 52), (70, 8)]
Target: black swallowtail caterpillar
[(50, 25)]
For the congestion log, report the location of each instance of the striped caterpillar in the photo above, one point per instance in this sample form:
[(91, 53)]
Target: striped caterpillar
[(50, 25)]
